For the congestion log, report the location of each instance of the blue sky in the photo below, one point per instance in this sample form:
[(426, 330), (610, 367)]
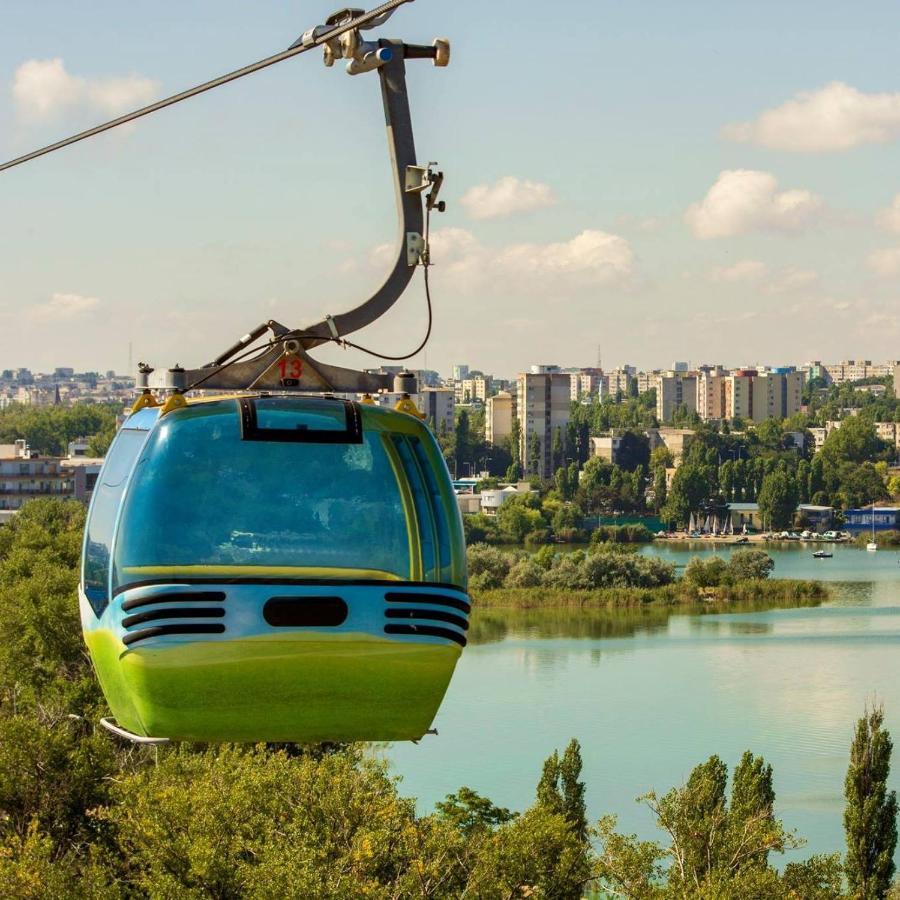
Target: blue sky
[(617, 208)]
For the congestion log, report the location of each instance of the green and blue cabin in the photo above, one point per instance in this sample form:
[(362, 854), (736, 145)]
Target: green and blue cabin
[(274, 569)]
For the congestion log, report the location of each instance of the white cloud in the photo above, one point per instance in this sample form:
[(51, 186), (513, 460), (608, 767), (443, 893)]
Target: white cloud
[(43, 89), (744, 200), (507, 197), (599, 256), (592, 257), (886, 262), (792, 281), (66, 306), (835, 117), (745, 270), (889, 219)]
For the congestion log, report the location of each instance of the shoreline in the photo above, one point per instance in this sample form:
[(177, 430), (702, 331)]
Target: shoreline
[(759, 595)]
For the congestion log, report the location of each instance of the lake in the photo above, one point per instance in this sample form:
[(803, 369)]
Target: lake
[(650, 695)]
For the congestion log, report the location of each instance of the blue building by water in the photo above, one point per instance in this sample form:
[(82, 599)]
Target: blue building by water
[(886, 518)]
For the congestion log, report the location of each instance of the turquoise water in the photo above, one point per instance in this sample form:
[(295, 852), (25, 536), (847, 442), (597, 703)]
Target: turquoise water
[(650, 696)]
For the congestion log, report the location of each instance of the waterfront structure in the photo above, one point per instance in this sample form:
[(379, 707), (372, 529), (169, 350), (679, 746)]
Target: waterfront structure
[(543, 401), (881, 518), (498, 417)]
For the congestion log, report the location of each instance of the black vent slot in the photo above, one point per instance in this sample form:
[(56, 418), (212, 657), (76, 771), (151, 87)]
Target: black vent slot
[(428, 631), (179, 597), (432, 615), (154, 615), (305, 612), (428, 599), (163, 630)]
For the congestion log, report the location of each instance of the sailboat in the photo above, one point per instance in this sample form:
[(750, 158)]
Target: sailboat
[(872, 546)]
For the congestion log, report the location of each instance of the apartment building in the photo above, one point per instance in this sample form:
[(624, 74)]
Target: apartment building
[(647, 380), (543, 400), (621, 381), (857, 370), (711, 393), (587, 384), (498, 417), (25, 475), (674, 390), (776, 394), (475, 389), (438, 405)]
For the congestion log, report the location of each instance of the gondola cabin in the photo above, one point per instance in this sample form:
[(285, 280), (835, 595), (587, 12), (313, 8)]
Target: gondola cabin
[(269, 568)]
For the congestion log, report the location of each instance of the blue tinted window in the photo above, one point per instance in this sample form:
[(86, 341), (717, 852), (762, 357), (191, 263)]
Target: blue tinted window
[(202, 496), (102, 517), (423, 507), (438, 509)]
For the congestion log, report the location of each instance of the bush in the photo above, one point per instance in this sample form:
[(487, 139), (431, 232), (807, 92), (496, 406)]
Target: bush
[(525, 574), (711, 572), (750, 565), (488, 567), (622, 534)]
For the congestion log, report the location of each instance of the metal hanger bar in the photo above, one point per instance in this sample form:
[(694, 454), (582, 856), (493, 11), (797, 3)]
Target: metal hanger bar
[(314, 41)]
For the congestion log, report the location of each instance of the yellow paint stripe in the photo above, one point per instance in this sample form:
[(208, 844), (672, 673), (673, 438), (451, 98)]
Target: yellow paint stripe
[(264, 571), (409, 510)]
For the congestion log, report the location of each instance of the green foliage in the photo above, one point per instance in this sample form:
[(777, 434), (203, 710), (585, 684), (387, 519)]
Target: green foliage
[(468, 811), (750, 564), (710, 572), (778, 498), (690, 487), (535, 855), (870, 815), (488, 567), (714, 849), (48, 429), (622, 534)]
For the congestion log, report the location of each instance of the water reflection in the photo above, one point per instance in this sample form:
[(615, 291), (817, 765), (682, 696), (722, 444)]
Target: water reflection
[(493, 625)]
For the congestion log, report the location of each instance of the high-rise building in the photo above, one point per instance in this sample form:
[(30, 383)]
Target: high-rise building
[(438, 407), (543, 401), (460, 372), (711, 393), (587, 384), (675, 390), (475, 389), (620, 381), (498, 417), (777, 394)]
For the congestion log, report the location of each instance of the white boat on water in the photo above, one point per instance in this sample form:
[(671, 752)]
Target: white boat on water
[(872, 546)]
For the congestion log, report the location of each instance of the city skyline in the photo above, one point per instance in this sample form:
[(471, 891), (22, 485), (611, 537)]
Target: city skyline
[(612, 196)]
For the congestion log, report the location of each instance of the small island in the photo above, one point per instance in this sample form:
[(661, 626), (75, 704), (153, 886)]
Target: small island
[(614, 577)]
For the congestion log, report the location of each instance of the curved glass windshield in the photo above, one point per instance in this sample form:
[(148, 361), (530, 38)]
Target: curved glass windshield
[(203, 496)]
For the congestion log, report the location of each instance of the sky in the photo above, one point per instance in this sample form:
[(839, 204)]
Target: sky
[(635, 182)]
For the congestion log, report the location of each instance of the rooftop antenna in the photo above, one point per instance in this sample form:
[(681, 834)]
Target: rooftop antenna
[(283, 363)]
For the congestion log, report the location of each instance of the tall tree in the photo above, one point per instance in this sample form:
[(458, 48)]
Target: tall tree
[(572, 789), (549, 795), (778, 499), (870, 816)]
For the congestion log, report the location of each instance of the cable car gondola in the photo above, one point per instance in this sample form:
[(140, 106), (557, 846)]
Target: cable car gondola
[(270, 568), (261, 564)]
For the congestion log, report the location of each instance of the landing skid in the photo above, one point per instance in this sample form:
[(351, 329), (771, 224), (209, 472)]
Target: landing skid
[(112, 728)]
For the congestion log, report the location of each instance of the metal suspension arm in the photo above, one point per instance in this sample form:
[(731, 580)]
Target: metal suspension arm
[(407, 192)]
